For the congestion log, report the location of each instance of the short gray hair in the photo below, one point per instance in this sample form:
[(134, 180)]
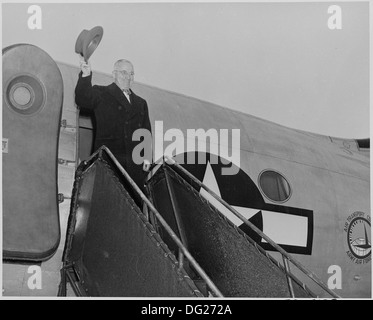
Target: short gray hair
[(118, 64)]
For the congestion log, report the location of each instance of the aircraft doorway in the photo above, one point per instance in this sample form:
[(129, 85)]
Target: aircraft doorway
[(86, 135)]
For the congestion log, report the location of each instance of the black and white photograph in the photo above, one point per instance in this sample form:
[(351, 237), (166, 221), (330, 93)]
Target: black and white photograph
[(195, 150)]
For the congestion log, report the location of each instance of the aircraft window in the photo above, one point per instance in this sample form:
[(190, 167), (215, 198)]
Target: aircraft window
[(274, 186), (22, 96), (25, 94)]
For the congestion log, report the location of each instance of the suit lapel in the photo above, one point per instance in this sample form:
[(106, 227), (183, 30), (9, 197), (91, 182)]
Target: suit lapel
[(131, 109), (134, 100), (115, 91), (133, 105)]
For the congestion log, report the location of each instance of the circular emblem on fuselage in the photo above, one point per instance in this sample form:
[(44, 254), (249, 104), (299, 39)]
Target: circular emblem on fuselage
[(358, 232)]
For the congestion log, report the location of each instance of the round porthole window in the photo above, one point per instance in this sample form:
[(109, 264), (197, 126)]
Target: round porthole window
[(274, 186), (25, 94)]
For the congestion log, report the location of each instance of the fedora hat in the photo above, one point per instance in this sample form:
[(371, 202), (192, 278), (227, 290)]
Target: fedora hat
[(88, 41)]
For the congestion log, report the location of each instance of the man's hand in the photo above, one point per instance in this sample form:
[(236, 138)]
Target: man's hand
[(85, 67), (146, 165)]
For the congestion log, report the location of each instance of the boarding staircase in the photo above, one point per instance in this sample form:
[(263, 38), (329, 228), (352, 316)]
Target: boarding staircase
[(170, 243)]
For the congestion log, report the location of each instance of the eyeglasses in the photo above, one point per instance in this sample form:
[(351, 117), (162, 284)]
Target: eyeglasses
[(125, 73)]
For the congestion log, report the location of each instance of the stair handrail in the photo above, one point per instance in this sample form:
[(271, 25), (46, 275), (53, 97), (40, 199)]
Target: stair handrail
[(171, 162), (163, 222)]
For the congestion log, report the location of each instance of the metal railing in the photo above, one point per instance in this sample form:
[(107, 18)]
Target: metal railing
[(285, 256), (183, 251)]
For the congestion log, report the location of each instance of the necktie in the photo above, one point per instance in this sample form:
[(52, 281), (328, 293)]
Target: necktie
[(128, 92)]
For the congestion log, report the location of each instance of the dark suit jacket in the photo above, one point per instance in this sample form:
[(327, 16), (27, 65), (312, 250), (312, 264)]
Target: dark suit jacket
[(115, 120)]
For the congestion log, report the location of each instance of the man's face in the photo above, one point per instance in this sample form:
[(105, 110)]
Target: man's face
[(124, 75)]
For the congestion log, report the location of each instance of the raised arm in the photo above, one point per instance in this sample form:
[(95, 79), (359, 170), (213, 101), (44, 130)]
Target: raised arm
[(85, 95)]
